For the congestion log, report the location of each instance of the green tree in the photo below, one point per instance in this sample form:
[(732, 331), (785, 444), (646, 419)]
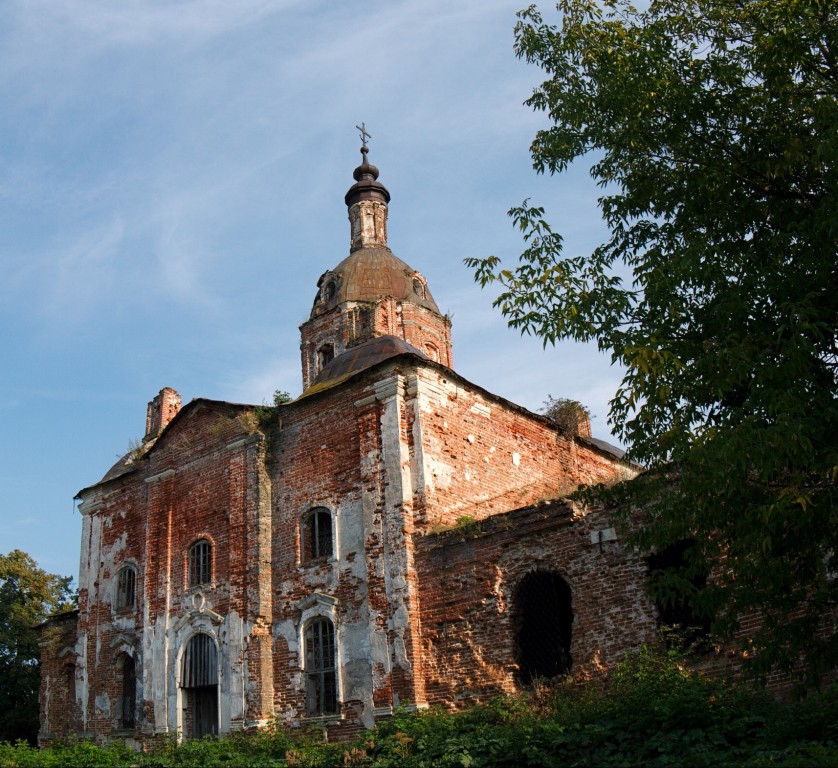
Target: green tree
[(712, 128), (28, 595), (568, 415)]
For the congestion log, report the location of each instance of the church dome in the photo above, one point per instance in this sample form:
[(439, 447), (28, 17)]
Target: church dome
[(368, 275)]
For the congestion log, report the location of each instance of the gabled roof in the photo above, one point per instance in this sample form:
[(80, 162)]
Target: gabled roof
[(129, 463)]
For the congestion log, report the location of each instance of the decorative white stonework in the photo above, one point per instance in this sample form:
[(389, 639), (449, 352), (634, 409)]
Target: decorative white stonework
[(368, 224)]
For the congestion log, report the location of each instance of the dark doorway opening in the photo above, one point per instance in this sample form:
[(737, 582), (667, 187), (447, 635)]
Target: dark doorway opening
[(128, 710), (543, 622), (200, 684), (202, 707)]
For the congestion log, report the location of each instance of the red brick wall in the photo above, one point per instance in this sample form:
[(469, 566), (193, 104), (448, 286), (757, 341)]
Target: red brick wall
[(59, 710), (468, 578), (347, 324), (482, 456), (199, 480)]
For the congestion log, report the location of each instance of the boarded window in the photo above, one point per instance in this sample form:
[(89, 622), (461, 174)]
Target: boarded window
[(128, 713), (317, 534), (200, 563), (321, 673), (126, 588), (543, 621)]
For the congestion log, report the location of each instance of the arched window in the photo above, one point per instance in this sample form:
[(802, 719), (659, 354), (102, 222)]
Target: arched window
[(128, 709), (316, 535), (126, 588), (200, 563), (329, 290), (418, 287), (320, 668), (325, 355), (432, 352), (543, 624)]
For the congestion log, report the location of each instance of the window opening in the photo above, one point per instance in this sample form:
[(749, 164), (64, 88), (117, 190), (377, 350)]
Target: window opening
[(321, 672), (675, 580), (70, 672), (543, 623), (317, 534), (128, 712), (418, 287), (200, 680), (200, 563), (126, 588), (432, 352), (329, 291), (325, 355)]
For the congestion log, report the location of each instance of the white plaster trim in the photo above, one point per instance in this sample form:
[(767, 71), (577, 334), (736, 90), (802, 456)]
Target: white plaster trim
[(606, 534), (161, 476), (388, 388), (89, 507), (365, 401), (319, 599), (195, 615), (244, 441), (125, 640)]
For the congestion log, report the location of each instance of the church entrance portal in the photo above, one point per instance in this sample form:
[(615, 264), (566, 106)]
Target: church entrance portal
[(200, 688)]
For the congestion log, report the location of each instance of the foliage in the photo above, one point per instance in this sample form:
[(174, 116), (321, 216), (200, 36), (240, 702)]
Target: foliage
[(652, 712), (27, 596), (281, 397), (568, 415), (713, 131)]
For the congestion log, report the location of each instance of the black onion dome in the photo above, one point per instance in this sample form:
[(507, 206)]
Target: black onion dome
[(366, 186)]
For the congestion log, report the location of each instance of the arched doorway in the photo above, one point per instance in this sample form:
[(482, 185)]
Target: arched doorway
[(199, 680), (543, 622)]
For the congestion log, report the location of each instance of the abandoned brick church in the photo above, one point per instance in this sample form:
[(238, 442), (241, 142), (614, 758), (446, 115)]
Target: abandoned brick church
[(396, 535)]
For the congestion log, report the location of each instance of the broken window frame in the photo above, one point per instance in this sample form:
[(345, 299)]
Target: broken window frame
[(317, 535), (126, 588), (320, 640), (200, 563)]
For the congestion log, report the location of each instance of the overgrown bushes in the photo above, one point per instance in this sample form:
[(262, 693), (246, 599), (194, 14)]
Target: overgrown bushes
[(653, 712)]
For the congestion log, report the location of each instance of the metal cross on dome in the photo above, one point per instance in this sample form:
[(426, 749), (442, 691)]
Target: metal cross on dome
[(364, 135)]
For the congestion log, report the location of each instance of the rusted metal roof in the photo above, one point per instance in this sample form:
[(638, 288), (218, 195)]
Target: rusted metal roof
[(360, 358), (370, 274)]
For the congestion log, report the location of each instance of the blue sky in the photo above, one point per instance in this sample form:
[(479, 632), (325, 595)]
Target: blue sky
[(171, 187)]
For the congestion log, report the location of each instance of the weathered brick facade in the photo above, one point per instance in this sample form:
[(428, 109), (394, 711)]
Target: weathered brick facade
[(375, 542)]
